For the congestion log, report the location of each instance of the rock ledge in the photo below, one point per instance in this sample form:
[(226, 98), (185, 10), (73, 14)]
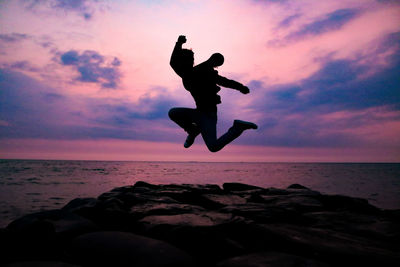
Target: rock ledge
[(205, 225)]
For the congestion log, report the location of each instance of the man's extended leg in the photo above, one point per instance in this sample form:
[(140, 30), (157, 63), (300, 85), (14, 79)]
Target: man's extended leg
[(208, 124), (186, 118)]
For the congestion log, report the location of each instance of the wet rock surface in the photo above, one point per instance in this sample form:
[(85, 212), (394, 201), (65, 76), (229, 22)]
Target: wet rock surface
[(206, 225)]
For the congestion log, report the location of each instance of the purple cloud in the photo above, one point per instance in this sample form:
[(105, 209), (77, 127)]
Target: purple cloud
[(288, 21), (300, 114), (93, 67), (13, 37), (22, 65), (330, 22), (80, 6), (84, 8), (29, 109)]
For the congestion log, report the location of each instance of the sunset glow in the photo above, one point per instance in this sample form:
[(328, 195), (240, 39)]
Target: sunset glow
[(91, 80)]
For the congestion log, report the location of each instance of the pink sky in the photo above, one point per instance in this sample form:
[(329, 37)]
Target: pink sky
[(322, 76)]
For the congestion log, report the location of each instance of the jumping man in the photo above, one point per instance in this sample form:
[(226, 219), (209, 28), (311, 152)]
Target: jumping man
[(203, 81)]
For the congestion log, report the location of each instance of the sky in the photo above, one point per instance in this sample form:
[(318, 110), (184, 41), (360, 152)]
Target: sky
[(90, 79)]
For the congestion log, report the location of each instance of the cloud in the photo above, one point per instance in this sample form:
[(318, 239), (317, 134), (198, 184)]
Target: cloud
[(329, 22), (343, 84), (23, 65), (150, 107), (388, 1), (93, 67), (271, 1), (80, 6), (28, 106), (288, 21), (84, 8), (13, 37), (342, 104), (337, 85), (29, 109)]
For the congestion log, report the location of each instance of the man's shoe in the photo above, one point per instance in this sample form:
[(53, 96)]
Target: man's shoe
[(244, 125), (190, 139)]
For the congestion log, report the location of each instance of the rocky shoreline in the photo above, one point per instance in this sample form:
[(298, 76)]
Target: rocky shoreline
[(206, 225)]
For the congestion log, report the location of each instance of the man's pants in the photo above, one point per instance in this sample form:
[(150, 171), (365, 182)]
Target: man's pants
[(194, 120)]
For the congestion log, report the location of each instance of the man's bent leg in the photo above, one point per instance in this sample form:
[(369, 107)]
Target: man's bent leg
[(184, 117), (207, 122)]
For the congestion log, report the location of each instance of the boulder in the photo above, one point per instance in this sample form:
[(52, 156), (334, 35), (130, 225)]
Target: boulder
[(337, 248), (189, 219), (40, 264), (79, 204), (110, 248), (156, 208), (270, 259), (50, 222), (239, 187), (42, 235), (225, 200), (297, 186)]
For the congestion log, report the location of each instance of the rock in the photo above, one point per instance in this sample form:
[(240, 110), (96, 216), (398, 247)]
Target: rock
[(201, 236), (225, 200), (263, 213), (297, 186), (188, 219), (41, 235), (183, 224), (40, 264), (155, 208), (125, 249), (51, 222), (275, 191), (270, 259), (340, 203), (80, 205), (145, 185), (197, 188), (358, 224), (296, 190), (334, 247), (239, 187), (131, 199), (297, 203), (194, 198)]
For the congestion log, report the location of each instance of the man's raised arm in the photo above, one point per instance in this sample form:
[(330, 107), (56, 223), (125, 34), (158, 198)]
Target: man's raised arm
[(175, 61)]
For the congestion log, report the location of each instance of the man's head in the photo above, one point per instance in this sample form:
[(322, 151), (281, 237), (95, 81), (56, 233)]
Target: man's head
[(216, 60)]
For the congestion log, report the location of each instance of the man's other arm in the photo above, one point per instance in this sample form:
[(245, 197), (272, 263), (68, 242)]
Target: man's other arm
[(225, 82)]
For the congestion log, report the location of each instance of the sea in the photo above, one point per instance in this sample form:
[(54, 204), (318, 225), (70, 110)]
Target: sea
[(28, 186)]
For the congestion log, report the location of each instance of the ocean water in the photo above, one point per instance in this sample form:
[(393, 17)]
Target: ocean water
[(33, 185)]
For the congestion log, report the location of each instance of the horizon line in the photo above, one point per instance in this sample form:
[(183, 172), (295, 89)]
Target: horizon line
[(192, 161)]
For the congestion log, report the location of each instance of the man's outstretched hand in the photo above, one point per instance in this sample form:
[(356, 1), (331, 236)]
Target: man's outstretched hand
[(244, 90), (182, 39)]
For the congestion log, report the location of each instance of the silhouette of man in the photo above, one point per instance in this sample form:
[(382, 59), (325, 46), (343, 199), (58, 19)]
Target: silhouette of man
[(202, 82)]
